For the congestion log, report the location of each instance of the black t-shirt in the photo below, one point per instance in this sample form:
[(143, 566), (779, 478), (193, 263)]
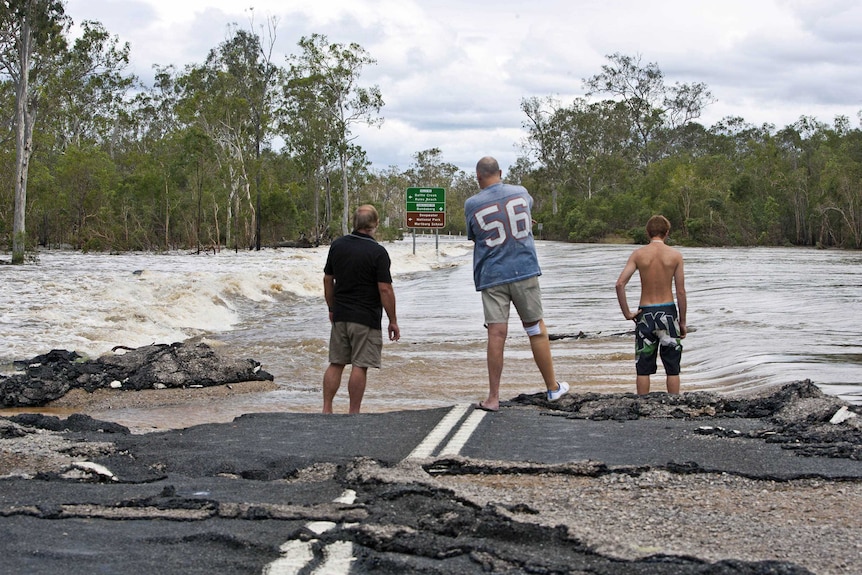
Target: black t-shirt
[(358, 263)]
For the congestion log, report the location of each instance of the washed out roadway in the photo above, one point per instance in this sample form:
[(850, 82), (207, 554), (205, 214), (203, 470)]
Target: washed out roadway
[(226, 498)]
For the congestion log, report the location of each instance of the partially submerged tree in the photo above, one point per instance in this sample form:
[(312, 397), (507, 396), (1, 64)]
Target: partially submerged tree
[(331, 72), (578, 147), (31, 45), (248, 57), (230, 99)]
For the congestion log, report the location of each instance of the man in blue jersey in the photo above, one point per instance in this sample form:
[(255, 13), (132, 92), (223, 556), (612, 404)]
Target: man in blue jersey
[(357, 286), (506, 271)]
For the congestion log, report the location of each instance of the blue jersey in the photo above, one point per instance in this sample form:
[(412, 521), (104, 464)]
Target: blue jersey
[(500, 224)]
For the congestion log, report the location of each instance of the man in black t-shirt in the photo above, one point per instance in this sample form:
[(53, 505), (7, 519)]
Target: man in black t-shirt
[(357, 285)]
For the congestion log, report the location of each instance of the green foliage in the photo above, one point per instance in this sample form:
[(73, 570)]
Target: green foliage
[(191, 162)]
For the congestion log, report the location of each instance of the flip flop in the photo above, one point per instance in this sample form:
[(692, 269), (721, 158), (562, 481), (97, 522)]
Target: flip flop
[(483, 408)]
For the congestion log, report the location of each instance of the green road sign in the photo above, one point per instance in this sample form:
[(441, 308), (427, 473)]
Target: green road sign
[(426, 200), (426, 195), (426, 207)]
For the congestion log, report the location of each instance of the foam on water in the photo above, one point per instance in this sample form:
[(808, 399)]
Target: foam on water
[(92, 302), (758, 317)]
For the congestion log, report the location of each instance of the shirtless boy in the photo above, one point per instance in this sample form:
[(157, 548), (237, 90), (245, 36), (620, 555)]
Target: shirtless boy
[(659, 324)]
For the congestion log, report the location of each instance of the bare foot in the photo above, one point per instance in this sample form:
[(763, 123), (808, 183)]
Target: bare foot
[(487, 407)]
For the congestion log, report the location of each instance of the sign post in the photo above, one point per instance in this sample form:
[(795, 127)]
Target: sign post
[(426, 208)]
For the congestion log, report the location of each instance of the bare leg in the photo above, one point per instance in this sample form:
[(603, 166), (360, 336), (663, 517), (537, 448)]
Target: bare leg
[(673, 384), (356, 387), (541, 348), (331, 383), (496, 344), (643, 384)]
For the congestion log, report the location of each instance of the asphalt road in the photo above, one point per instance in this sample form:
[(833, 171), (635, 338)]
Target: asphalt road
[(223, 498)]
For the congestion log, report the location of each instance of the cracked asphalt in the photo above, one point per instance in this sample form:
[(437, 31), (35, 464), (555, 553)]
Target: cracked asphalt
[(226, 498)]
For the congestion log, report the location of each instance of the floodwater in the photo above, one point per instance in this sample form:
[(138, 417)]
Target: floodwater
[(758, 317)]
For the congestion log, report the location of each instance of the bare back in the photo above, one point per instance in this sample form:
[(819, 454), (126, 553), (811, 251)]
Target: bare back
[(661, 271), (658, 266)]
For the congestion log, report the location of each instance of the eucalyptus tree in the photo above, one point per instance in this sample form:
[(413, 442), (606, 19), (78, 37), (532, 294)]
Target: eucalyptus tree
[(149, 131), (386, 189), (803, 143), (248, 57), (655, 108), (89, 92), (310, 136), (32, 42), (839, 204), (430, 170), (84, 103), (208, 105), (547, 139), (329, 73), (583, 147), (89, 183), (232, 98), (7, 156)]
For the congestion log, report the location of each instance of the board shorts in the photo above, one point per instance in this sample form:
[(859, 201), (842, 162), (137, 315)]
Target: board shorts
[(525, 294), (355, 344), (657, 334)]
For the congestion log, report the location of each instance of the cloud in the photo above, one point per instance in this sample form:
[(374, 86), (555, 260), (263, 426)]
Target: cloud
[(453, 73)]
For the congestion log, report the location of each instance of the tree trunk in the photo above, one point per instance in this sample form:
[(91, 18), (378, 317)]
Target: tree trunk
[(328, 214), (23, 145), (257, 223), (167, 218), (228, 229), (346, 213), (217, 243), (314, 178)]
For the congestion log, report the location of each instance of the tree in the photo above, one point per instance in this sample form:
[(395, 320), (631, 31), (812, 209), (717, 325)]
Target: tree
[(386, 191), (332, 72), (583, 147), (231, 98), (310, 134), (88, 92), (656, 110), (89, 180), (547, 140), (251, 62), (31, 42)]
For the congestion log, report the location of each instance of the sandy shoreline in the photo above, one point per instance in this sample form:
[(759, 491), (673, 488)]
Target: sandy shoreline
[(105, 404), (103, 400)]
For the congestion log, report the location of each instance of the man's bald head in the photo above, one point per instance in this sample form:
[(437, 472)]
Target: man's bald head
[(488, 172)]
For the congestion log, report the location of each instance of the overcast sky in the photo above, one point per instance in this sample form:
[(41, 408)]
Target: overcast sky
[(453, 72)]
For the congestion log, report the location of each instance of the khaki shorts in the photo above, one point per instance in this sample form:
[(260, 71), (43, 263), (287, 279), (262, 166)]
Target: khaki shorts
[(356, 344), (525, 294)]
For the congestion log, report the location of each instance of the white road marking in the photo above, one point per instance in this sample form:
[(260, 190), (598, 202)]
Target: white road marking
[(464, 432), (296, 555), (338, 557), (439, 433)]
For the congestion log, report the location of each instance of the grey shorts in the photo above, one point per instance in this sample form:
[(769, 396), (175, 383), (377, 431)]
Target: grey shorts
[(525, 294), (356, 344)]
